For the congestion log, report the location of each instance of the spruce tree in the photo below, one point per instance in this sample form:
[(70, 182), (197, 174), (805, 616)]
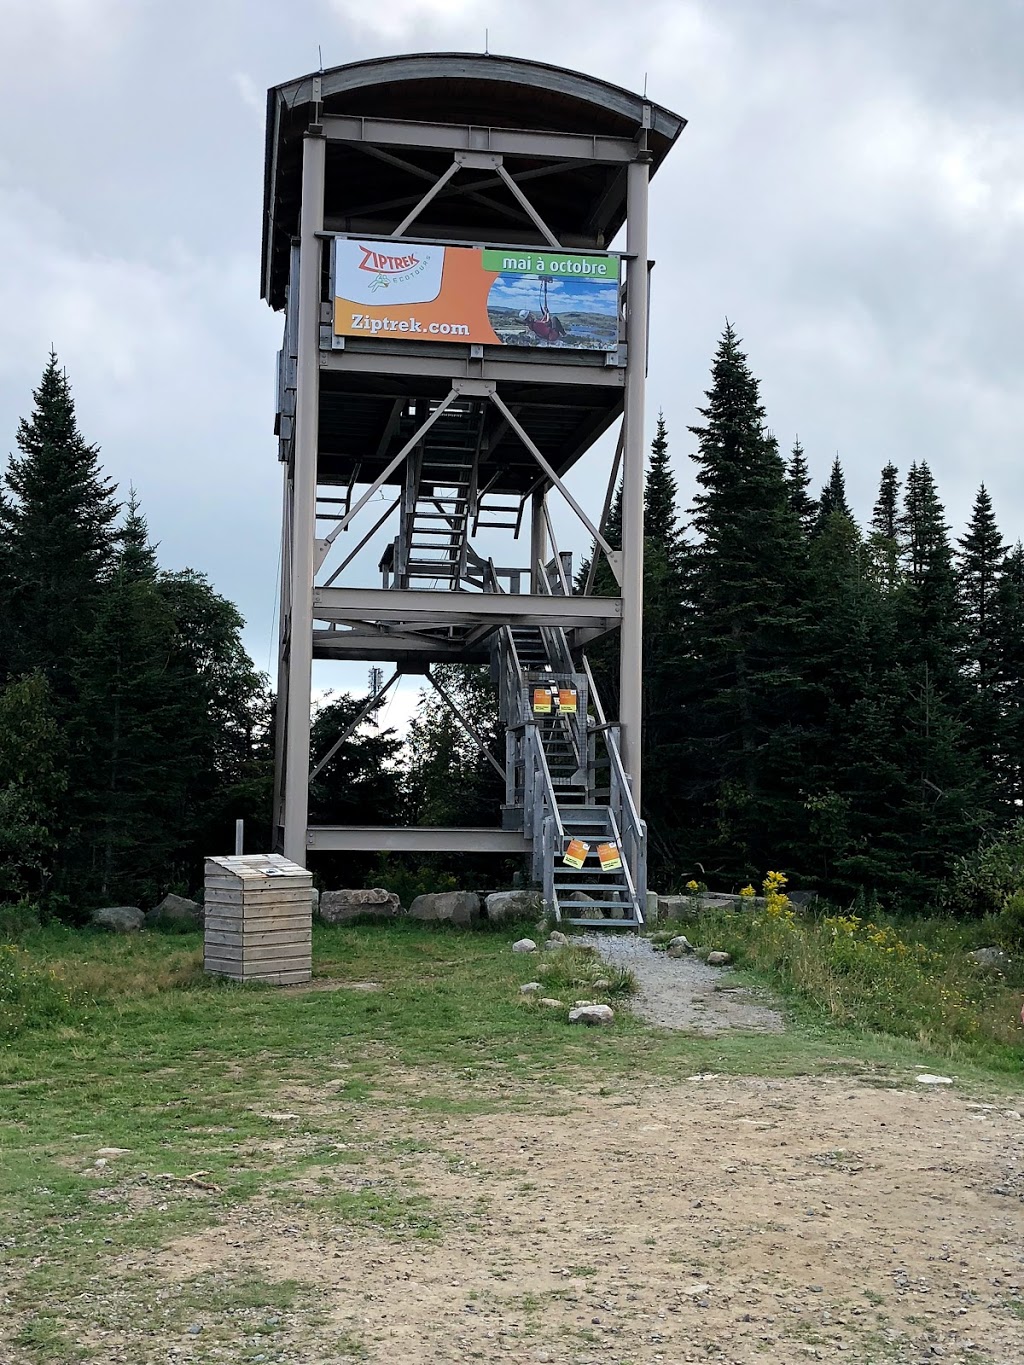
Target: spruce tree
[(56, 527), (798, 480), (833, 497), (982, 554), (885, 536), (749, 581), (661, 517), (928, 609), (1007, 633)]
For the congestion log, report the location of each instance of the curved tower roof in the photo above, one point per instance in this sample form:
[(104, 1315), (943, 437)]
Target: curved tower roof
[(368, 189)]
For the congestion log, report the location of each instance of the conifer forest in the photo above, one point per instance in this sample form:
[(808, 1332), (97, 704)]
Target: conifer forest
[(841, 701)]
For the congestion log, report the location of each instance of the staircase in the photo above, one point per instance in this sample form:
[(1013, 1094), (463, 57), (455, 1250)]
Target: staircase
[(589, 845)]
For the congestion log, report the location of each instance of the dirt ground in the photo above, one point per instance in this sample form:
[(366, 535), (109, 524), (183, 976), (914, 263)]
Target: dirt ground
[(739, 1220)]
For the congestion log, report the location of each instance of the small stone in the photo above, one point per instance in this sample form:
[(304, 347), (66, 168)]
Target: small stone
[(681, 941), (551, 1004), (195, 1329), (602, 985), (927, 1079), (524, 945), (555, 945), (112, 1151), (591, 1015), (719, 959), (557, 937), (531, 988)]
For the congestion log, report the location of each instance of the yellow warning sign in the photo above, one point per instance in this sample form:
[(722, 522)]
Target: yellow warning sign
[(610, 857), (541, 701), (576, 853), (567, 699)]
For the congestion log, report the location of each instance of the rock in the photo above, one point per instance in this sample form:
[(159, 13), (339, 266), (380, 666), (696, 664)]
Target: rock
[(447, 907), (107, 1152), (991, 959), (557, 937), (927, 1079), (314, 896), (602, 985), (802, 898), (342, 907), (652, 911), (177, 912), (719, 959), (524, 945), (681, 942), (531, 988), (121, 919), (508, 907), (592, 1014), (195, 1329), (550, 1004)]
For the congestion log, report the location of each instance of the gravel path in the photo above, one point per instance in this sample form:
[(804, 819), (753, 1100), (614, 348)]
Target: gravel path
[(685, 993)]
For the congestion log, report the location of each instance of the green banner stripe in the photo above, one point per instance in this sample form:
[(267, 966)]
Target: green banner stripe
[(559, 265)]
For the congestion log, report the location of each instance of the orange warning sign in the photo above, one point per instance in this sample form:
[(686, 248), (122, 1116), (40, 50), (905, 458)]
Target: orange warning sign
[(610, 857), (541, 701), (567, 699), (576, 853)]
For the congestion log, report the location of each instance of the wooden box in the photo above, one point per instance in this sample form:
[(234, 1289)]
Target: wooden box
[(259, 919)]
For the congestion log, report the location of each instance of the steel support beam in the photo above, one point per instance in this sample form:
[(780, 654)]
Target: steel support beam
[(456, 363), (384, 132), (303, 537), (422, 606), (415, 839), (632, 581)]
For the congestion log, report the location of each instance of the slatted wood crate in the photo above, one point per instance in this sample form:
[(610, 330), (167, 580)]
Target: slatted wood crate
[(259, 919)]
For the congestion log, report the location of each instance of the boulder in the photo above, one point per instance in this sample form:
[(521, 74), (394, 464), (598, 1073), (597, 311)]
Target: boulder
[(508, 907), (990, 959), (592, 1014), (531, 988), (177, 912), (447, 907), (120, 919), (524, 945), (342, 907), (719, 959)]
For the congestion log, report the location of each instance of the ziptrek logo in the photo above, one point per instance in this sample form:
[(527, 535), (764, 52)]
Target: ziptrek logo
[(368, 271)]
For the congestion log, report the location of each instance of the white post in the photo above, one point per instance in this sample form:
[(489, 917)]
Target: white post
[(239, 838)]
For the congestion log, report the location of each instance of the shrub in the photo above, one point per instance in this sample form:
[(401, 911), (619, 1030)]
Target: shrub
[(18, 919), (982, 881), (1010, 922)]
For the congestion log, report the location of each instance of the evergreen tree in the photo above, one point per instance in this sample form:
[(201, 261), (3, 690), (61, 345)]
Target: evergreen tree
[(56, 527), (661, 517), (982, 554), (885, 537), (136, 726), (833, 497), (33, 780), (928, 610), (749, 582), (1007, 634), (798, 480)]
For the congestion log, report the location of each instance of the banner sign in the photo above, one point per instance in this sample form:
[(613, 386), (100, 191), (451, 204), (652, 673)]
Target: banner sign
[(609, 856), (576, 853), (513, 297)]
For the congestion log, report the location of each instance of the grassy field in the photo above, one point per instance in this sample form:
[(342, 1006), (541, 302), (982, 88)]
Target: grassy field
[(122, 1045)]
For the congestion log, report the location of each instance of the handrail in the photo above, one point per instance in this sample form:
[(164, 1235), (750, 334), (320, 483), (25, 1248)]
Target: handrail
[(549, 786)]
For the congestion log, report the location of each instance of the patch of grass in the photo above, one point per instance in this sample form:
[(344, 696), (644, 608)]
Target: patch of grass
[(571, 972), (909, 978), (395, 1214)]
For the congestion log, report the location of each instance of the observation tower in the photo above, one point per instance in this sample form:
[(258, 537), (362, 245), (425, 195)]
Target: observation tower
[(457, 336)]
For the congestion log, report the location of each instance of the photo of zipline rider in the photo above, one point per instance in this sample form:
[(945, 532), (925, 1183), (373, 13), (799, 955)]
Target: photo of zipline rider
[(561, 301), (547, 328)]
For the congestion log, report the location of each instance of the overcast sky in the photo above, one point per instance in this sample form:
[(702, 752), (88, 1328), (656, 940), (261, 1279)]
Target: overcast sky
[(849, 192)]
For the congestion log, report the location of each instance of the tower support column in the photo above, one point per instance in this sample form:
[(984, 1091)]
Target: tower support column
[(303, 509), (631, 643)]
